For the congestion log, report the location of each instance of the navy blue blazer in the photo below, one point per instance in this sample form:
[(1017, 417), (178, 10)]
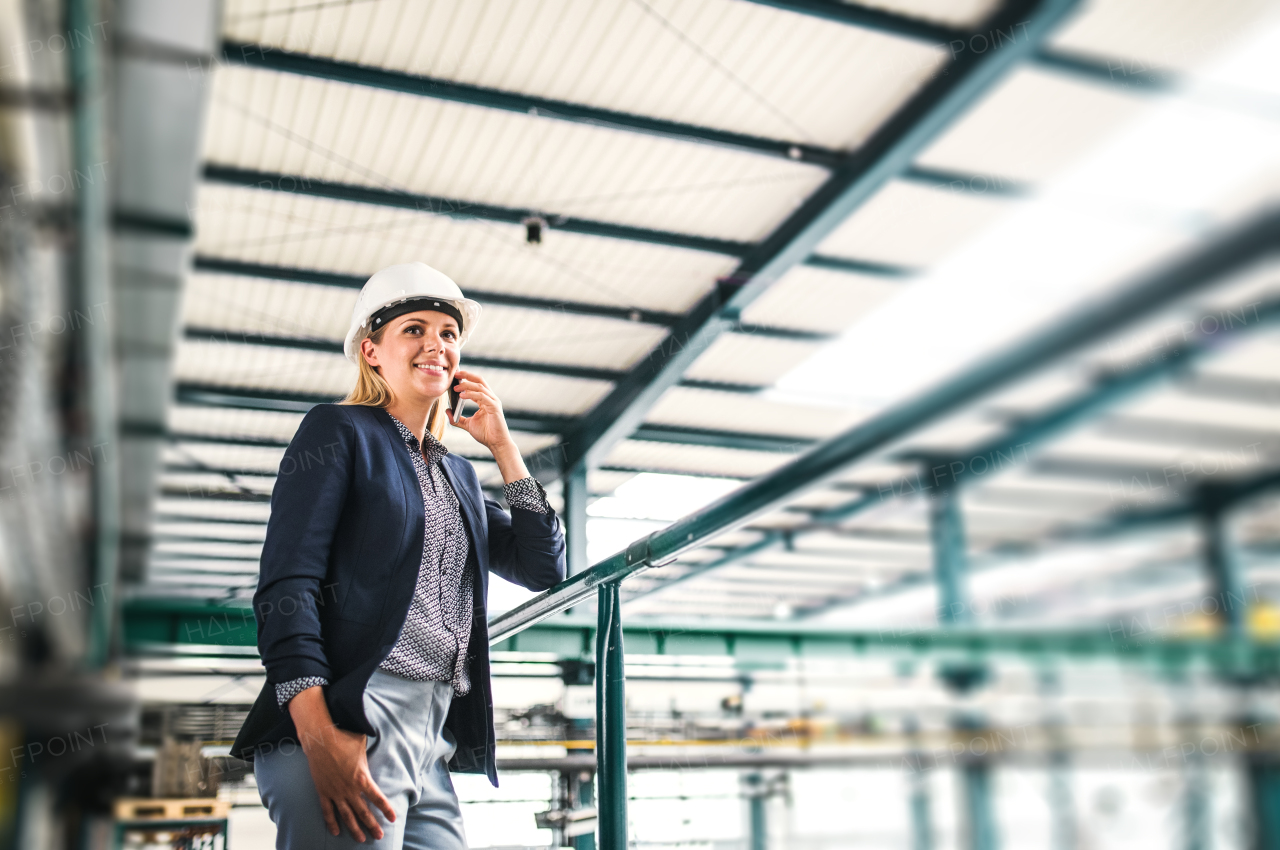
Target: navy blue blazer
[(339, 566)]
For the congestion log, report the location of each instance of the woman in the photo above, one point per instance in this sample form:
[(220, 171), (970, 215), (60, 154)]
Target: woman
[(374, 572)]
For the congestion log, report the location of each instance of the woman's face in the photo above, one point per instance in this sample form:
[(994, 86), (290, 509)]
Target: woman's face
[(417, 356)]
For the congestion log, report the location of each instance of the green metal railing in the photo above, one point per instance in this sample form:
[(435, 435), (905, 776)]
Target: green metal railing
[(1089, 323)]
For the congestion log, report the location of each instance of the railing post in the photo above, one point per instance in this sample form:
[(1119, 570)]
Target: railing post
[(611, 723)]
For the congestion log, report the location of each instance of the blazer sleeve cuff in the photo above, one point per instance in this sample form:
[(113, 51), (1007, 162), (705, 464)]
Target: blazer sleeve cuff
[(286, 691), (291, 669)]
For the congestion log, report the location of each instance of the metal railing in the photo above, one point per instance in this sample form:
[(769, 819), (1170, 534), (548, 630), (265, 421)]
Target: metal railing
[(1089, 323)]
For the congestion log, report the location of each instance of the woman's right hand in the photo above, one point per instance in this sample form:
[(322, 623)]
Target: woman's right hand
[(339, 767)]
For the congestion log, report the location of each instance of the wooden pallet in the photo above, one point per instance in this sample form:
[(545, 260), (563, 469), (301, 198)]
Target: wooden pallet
[(144, 808)]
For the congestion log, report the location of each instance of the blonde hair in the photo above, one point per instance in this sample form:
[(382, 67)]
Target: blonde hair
[(372, 390)]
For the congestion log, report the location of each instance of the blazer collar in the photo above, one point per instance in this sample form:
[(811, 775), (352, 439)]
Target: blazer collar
[(467, 498)]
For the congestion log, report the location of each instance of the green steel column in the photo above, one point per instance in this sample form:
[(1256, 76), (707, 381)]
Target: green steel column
[(946, 529), (758, 827), (921, 826), (585, 799), (1195, 807), (575, 518), (1264, 798), (918, 782), (86, 23), (1225, 575), (980, 823), (611, 723)]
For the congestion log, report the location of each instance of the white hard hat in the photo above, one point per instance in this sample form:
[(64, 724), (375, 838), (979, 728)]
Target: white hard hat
[(404, 283)]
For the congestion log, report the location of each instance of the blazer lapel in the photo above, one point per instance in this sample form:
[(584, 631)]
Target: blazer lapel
[(411, 492), (468, 498)]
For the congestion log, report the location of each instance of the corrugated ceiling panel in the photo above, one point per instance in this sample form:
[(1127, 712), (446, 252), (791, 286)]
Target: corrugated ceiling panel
[(956, 434), (1093, 446), (225, 422), (218, 530), (460, 442), (212, 509), (735, 66), (696, 408), (262, 368), (312, 233), (912, 225), (208, 484), (1178, 34), (1179, 407), (1033, 126), (352, 134), (746, 359), (696, 460), (1255, 357), (251, 306), (605, 481), (812, 299), (267, 307), (551, 337), (221, 456)]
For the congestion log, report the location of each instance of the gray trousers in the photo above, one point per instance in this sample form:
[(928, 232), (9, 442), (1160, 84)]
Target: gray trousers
[(407, 760)]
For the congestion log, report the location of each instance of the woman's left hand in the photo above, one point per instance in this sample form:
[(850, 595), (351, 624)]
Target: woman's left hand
[(487, 425)]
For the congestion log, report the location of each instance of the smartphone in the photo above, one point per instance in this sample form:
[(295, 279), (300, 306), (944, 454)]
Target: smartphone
[(456, 401)]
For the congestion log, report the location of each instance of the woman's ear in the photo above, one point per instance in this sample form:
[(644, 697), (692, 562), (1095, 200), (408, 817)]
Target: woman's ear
[(369, 352)]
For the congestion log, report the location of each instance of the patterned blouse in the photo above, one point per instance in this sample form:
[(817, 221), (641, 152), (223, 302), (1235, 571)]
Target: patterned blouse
[(433, 641)]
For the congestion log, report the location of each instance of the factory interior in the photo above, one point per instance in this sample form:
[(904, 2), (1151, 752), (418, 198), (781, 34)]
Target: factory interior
[(904, 376)]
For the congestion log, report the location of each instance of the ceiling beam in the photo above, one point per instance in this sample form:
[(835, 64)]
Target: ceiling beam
[(454, 208), (333, 347), (529, 422), (220, 265), (1110, 71), (319, 67), (293, 184), (217, 265), (887, 154)]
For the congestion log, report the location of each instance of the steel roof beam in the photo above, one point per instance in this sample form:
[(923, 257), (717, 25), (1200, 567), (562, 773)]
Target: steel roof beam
[(333, 347), (215, 265), (319, 67), (1110, 71), (454, 208), (888, 153), (219, 265), (529, 422), (293, 184)]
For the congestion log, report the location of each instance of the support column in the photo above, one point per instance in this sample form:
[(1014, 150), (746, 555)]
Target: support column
[(950, 567), (921, 820), (611, 723), (96, 350), (757, 824), (979, 821), (585, 798), (575, 517), (946, 530), (1264, 801), (1225, 576)]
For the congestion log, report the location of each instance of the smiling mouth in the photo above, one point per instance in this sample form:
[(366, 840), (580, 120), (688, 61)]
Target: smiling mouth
[(430, 369)]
